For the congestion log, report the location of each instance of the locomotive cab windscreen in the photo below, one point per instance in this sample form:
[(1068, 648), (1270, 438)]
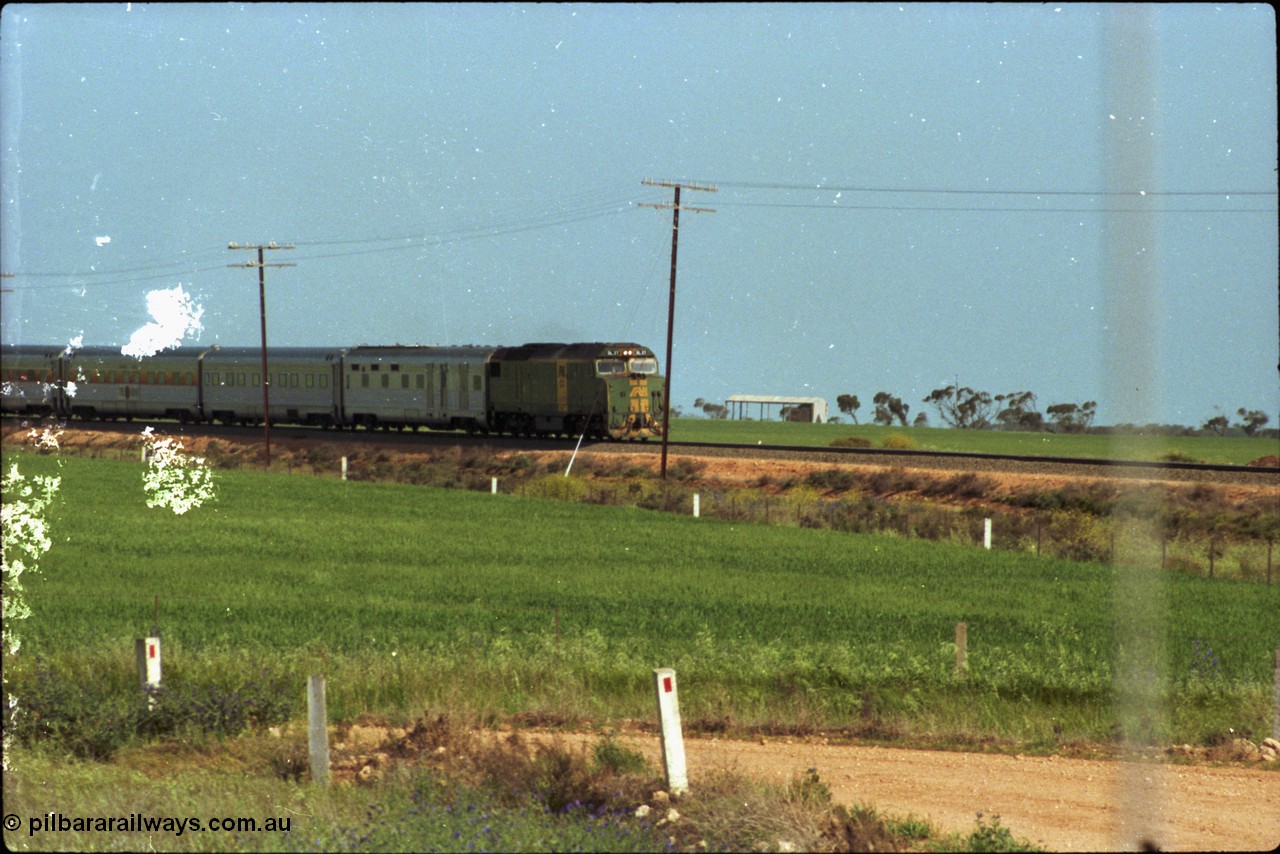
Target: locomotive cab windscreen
[(614, 367), (643, 366), (610, 367)]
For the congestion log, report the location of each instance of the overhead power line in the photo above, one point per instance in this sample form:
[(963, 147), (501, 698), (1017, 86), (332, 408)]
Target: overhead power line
[(581, 207), (844, 206), (984, 191)]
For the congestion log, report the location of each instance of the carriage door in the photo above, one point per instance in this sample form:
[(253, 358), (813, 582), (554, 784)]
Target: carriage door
[(443, 390), (130, 390), (562, 386)]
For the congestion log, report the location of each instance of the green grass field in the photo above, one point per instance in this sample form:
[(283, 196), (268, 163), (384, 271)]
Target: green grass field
[(414, 599), (1231, 450)]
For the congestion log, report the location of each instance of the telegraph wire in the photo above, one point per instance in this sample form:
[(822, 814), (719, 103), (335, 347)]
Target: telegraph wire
[(593, 205), (585, 205), (976, 209), (766, 185)]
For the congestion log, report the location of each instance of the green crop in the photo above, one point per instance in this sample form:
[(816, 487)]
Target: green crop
[(409, 598)]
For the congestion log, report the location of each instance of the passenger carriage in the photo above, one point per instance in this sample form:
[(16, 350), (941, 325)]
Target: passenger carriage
[(29, 380), (397, 387), (101, 382), (301, 384)]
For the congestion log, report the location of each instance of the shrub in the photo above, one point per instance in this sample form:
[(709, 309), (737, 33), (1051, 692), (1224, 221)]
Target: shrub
[(684, 469), (557, 487), (851, 442), (611, 756), (898, 442), (92, 720), (966, 485), (836, 480), (892, 480)]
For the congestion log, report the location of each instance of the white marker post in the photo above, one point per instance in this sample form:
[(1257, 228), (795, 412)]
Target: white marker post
[(986, 534), (697, 505), (664, 679), (317, 730), (493, 486), (147, 651)]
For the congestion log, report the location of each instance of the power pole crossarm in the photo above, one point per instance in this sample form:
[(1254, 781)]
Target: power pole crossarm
[(671, 302), (262, 310)]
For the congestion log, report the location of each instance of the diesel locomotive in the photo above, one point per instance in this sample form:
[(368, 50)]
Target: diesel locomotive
[(603, 390)]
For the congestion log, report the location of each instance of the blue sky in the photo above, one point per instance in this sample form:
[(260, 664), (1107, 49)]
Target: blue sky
[(907, 194)]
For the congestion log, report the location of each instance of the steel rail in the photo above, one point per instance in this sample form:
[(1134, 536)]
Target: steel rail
[(849, 455)]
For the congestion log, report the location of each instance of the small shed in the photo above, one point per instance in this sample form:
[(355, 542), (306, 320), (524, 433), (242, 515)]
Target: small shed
[(807, 409)]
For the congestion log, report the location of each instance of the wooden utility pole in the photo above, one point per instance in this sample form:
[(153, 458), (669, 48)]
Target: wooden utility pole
[(262, 310), (671, 301)]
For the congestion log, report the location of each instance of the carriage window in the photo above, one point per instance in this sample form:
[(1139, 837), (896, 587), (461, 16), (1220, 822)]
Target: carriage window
[(476, 383), (311, 380), (324, 381), (386, 381), (421, 381), (293, 380)]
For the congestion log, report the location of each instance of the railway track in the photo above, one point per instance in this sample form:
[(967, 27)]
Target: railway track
[(289, 436)]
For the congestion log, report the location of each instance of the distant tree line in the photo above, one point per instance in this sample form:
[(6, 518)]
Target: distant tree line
[(970, 409)]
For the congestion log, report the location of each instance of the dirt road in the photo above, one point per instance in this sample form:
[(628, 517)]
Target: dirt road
[(1057, 803)]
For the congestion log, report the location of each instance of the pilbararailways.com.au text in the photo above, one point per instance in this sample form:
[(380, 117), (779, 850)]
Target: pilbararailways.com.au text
[(56, 822)]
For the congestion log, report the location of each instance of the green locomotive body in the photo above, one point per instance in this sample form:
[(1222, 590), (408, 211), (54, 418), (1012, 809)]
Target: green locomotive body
[(605, 390)]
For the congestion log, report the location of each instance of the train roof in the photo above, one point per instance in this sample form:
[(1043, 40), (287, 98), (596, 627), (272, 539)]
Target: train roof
[(218, 351), (593, 350), (384, 350)]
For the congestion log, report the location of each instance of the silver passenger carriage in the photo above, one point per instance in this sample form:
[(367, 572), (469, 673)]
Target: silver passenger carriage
[(29, 380), (439, 387), (101, 382), (301, 384)]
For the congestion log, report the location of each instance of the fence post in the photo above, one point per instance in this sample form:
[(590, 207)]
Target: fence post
[(697, 505), (986, 534), (493, 486), (1275, 697), (344, 468), (147, 653), (962, 643), (317, 730), (664, 679)]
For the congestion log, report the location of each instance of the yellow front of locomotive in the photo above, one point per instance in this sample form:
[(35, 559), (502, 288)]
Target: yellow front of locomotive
[(635, 394)]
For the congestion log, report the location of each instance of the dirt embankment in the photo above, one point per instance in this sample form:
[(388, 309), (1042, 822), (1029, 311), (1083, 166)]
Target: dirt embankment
[(1058, 803)]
